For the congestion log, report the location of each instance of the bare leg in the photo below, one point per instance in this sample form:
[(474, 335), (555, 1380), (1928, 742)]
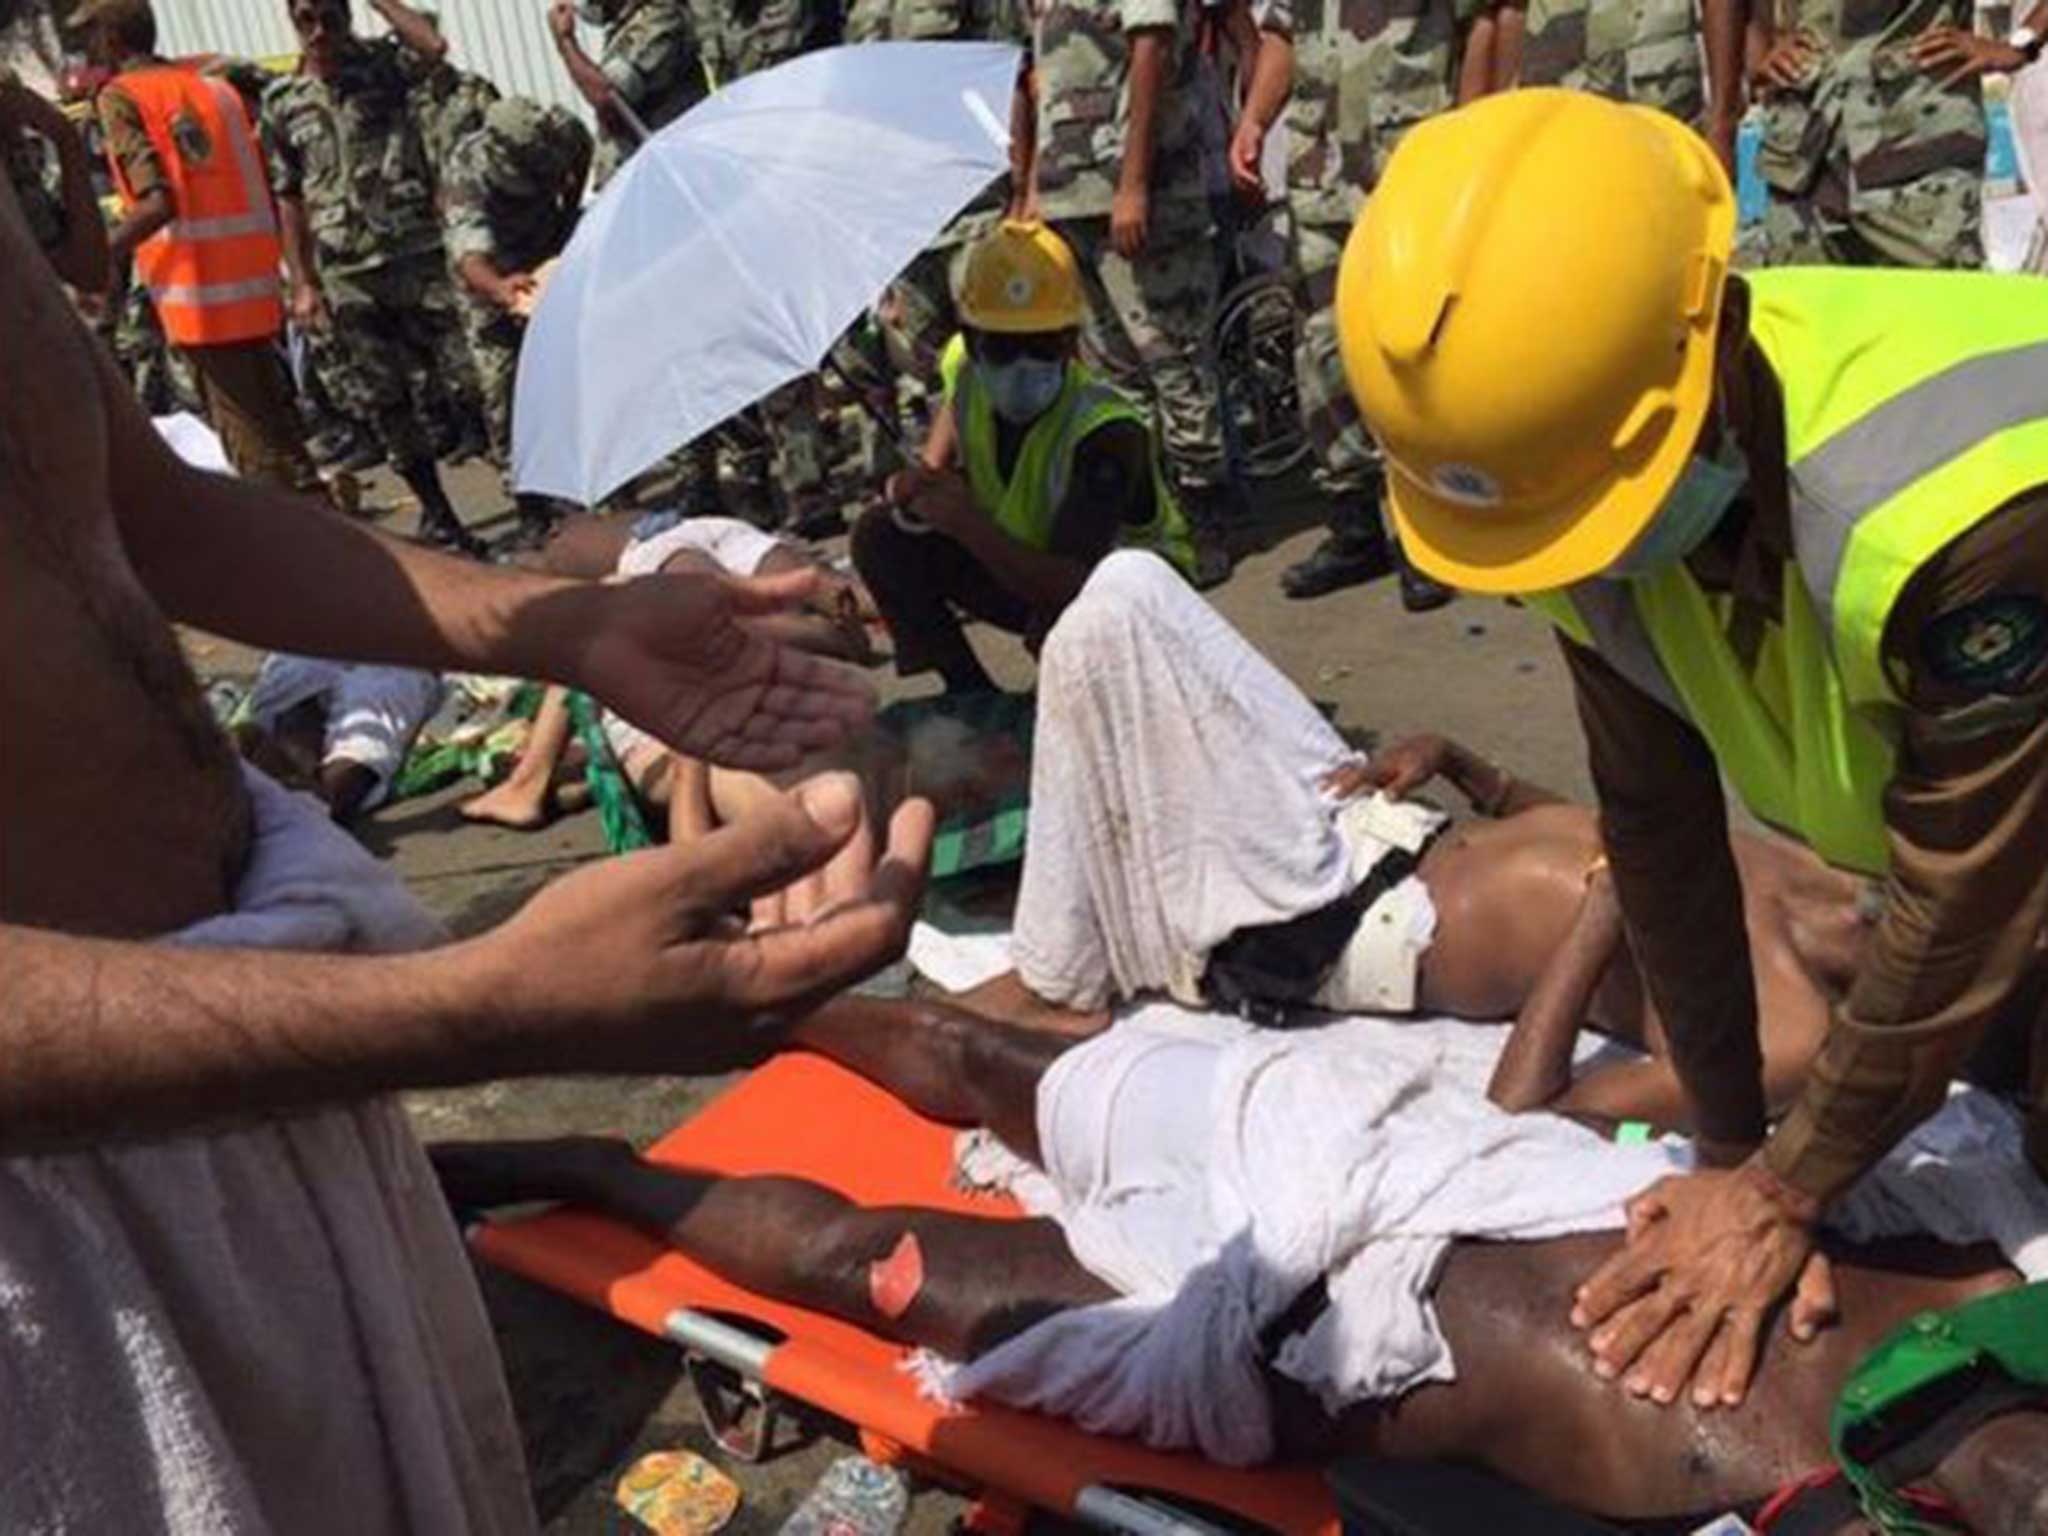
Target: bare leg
[(521, 801), (983, 1279), (689, 801), (1007, 999), (945, 1064)]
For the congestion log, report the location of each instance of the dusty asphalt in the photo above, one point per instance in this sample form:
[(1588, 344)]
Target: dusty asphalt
[(592, 1396)]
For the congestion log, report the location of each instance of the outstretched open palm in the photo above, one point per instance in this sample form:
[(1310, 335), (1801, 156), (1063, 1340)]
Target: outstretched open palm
[(696, 660)]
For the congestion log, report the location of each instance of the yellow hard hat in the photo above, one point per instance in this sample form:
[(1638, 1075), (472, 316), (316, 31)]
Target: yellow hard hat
[(1527, 312), (1021, 277)]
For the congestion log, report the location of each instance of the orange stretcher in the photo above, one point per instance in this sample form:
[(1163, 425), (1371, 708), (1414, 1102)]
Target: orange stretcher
[(803, 1116)]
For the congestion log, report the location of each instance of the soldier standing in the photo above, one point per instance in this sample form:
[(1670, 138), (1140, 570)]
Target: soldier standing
[(509, 199), (198, 223), (918, 316), (1118, 169), (1344, 119), (362, 240), (1654, 53), (1874, 131), (650, 71), (753, 35)]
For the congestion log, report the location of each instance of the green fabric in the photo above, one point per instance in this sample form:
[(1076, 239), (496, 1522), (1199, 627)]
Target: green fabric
[(618, 808), (2009, 1330), (987, 832), (1025, 505)]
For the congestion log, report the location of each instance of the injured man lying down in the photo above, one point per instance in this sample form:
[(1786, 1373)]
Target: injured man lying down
[(1325, 1239)]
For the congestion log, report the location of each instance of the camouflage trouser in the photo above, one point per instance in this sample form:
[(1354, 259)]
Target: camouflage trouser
[(1148, 329), (494, 337), (791, 416), (918, 319), (160, 375), (1344, 457), (1934, 220), (404, 353)]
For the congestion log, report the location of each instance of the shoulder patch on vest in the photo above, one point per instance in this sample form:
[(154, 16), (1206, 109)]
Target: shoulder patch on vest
[(1994, 645)]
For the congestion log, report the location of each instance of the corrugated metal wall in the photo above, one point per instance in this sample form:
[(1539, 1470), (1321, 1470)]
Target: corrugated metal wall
[(505, 41)]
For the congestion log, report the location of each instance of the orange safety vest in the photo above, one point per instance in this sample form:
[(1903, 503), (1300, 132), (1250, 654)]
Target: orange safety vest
[(213, 270)]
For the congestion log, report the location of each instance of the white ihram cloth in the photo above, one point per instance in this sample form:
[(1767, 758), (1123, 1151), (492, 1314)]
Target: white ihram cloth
[(1176, 797), (1212, 1172), (265, 1328)]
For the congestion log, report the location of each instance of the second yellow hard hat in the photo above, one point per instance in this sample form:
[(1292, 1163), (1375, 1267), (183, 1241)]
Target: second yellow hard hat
[(1527, 311)]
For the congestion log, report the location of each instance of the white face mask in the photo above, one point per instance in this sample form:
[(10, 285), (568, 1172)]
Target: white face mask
[(1693, 510), (591, 12)]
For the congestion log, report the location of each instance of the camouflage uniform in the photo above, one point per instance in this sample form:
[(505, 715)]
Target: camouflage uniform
[(452, 104), (1365, 73), (158, 372), (753, 35), (918, 316), (750, 36), (1871, 162), (1644, 51), (1149, 317), (654, 58), (352, 150), (509, 194)]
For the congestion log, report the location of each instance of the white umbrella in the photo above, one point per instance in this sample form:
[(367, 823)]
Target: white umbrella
[(740, 241)]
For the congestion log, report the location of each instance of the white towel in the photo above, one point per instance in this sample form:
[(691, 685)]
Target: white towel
[(268, 1328), (1175, 793)]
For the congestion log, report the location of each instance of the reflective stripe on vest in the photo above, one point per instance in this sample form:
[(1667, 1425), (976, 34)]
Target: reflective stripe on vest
[(1916, 405), (213, 270), (1024, 504)]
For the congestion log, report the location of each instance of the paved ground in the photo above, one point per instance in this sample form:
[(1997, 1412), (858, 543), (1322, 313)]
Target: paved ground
[(592, 1395)]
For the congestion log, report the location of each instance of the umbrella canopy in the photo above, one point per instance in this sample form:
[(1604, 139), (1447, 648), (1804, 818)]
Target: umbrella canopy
[(740, 241)]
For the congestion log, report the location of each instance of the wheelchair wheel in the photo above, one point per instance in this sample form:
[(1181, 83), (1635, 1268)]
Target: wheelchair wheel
[(1257, 325)]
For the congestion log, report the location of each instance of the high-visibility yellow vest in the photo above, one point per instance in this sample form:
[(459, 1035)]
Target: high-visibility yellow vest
[(1026, 504), (1916, 404), (213, 270)]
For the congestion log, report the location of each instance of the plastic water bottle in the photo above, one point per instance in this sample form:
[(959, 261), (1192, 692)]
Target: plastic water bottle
[(855, 1497)]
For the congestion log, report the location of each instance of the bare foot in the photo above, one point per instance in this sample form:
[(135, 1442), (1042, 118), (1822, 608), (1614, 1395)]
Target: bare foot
[(1008, 1001), (510, 804)]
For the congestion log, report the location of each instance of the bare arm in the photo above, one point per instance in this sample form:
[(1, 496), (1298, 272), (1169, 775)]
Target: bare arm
[(412, 29), (308, 311), (627, 965), (1475, 59), (81, 258), (1024, 146), (1510, 30), (1535, 1070), (480, 275), (1130, 213), (1272, 77), (152, 211), (1724, 29), (589, 80)]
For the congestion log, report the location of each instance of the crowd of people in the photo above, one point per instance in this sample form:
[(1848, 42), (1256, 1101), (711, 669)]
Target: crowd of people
[(1784, 503)]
